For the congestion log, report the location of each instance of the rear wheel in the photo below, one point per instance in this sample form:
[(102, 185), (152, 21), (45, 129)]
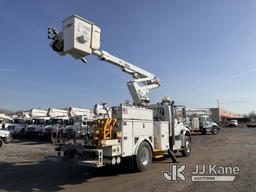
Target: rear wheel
[(143, 158), (187, 150)]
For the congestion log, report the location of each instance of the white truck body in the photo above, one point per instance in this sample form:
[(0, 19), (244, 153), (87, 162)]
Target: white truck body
[(135, 126)]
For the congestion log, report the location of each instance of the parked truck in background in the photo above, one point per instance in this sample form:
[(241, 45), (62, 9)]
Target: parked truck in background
[(5, 121), (77, 116), (199, 120), (5, 135), (58, 119), (17, 127), (38, 119)]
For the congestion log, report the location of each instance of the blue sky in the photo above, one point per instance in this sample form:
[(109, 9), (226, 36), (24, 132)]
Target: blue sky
[(201, 50)]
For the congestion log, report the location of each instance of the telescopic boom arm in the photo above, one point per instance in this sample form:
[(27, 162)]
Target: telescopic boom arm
[(80, 38)]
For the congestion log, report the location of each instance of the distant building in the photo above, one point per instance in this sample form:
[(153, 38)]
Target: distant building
[(221, 115)]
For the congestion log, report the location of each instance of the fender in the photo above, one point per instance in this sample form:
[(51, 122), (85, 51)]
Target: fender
[(141, 139), (185, 133)]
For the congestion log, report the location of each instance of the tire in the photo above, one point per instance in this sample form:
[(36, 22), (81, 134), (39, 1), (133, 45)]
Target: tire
[(215, 130), (1, 142), (143, 159), (186, 152)]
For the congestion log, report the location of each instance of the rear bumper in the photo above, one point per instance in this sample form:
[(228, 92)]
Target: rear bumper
[(94, 158)]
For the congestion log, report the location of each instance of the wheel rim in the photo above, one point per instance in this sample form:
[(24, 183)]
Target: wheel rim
[(144, 156), (215, 131), (187, 146)]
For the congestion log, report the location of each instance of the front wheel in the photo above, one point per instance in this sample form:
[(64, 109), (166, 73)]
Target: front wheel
[(1, 142), (143, 158), (215, 130), (187, 150)]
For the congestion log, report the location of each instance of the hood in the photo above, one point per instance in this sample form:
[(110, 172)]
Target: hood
[(17, 125), (50, 126), (4, 133), (215, 124), (35, 126), (69, 127)]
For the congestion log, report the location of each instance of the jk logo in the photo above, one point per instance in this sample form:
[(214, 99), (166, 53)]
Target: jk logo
[(176, 173)]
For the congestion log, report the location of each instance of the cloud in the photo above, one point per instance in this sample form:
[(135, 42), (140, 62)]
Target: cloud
[(245, 73)]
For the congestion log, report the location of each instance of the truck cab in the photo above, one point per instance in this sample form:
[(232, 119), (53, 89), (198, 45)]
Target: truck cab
[(36, 126), (207, 125), (54, 125), (180, 140), (5, 137), (17, 128), (4, 122)]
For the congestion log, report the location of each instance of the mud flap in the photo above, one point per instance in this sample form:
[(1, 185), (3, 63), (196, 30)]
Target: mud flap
[(172, 156)]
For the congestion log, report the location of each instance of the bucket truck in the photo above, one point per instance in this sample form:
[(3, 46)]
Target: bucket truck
[(58, 119), (135, 133), (17, 128), (199, 120), (77, 115), (38, 119), (5, 121), (5, 135)]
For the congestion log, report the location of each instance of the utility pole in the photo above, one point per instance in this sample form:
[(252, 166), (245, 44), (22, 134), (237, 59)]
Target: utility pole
[(218, 104)]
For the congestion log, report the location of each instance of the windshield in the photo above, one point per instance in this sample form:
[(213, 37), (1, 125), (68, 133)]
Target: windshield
[(56, 121), (38, 121), (209, 119), (70, 122), (19, 121)]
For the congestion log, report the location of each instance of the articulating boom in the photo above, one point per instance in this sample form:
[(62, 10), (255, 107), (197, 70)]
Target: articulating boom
[(80, 38)]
